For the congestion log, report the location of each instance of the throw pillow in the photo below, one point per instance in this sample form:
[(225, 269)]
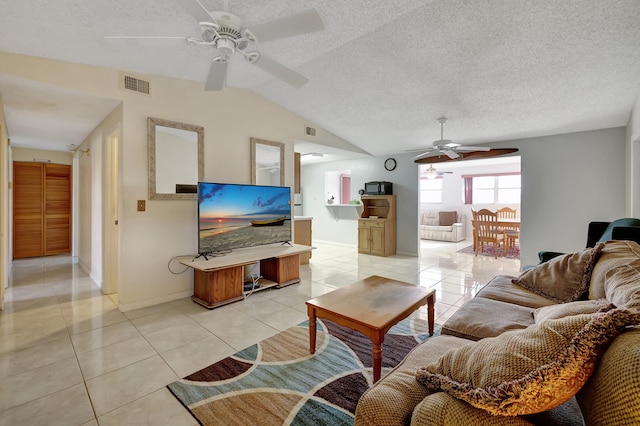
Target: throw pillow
[(564, 278), (527, 371), (613, 255), (562, 310), (622, 285), (447, 218)]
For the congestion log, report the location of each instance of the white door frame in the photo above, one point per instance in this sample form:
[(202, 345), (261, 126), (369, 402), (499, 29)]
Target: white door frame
[(111, 210)]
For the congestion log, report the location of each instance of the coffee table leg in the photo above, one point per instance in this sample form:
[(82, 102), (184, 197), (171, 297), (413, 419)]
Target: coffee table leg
[(312, 330), (431, 312), (376, 354)]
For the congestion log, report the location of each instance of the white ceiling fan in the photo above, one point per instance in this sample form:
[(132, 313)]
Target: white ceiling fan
[(446, 147), (227, 34), (432, 173)]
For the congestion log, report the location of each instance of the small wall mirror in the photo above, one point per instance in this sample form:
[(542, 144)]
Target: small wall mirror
[(176, 159), (267, 162)]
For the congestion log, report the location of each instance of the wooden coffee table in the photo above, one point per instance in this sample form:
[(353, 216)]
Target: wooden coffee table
[(371, 306)]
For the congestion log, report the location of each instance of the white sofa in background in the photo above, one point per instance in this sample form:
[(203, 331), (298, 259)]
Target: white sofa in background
[(434, 226)]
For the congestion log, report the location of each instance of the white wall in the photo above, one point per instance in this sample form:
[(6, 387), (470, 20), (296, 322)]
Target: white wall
[(633, 161), (5, 257), (340, 223), (54, 157), (568, 181)]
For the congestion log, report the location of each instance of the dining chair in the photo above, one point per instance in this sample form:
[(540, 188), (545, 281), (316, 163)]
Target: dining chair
[(473, 228), (511, 233), (487, 231)]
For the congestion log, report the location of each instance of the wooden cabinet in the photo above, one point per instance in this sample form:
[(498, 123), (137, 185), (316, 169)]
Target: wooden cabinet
[(219, 280), (377, 225), (215, 288), (302, 235)]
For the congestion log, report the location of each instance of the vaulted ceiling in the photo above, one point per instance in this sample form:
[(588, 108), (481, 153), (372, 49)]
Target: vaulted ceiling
[(380, 73)]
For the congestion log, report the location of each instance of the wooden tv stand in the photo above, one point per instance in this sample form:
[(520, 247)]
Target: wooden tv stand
[(220, 280)]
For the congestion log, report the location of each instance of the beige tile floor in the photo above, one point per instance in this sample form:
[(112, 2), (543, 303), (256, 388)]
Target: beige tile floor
[(68, 356)]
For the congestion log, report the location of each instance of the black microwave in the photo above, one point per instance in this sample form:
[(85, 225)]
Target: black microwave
[(378, 188)]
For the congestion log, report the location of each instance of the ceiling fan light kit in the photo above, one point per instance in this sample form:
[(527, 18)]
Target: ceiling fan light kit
[(228, 34), (446, 150)]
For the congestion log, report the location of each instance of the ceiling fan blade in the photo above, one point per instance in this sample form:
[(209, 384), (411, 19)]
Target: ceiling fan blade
[(281, 72), (472, 148), (425, 155), (217, 75), (486, 154), (468, 155), (304, 22), (148, 41), (197, 10), (451, 154)]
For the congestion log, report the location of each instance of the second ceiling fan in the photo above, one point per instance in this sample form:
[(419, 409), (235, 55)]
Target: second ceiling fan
[(446, 150)]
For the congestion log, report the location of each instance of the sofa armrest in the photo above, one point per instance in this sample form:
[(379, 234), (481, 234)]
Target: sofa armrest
[(439, 409)]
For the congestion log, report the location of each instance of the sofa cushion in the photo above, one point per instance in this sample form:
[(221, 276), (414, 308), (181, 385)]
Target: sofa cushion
[(501, 288), (622, 285), (527, 371), (440, 408), (477, 319), (562, 310), (610, 397), (391, 400), (613, 255), (447, 218), (564, 278), (438, 228), (430, 218)]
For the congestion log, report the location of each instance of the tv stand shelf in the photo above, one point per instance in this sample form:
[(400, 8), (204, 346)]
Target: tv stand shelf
[(220, 280)]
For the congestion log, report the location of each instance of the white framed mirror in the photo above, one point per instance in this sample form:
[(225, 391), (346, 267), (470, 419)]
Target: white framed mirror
[(267, 162), (176, 159)]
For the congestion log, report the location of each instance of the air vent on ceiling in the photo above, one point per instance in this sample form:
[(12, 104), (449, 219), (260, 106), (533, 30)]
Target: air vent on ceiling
[(309, 131), (129, 82)]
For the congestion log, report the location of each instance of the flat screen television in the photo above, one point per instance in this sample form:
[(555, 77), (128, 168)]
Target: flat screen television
[(232, 216)]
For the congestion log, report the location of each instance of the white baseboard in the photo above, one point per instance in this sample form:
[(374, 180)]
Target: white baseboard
[(333, 243), (126, 307)]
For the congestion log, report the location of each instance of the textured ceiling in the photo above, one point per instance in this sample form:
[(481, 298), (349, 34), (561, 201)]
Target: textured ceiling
[(379, 74)]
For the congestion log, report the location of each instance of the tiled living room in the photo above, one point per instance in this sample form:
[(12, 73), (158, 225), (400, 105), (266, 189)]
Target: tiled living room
[(96, 365)]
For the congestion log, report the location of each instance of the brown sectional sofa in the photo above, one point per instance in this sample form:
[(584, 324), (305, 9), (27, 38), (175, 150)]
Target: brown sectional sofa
[(610, 396)]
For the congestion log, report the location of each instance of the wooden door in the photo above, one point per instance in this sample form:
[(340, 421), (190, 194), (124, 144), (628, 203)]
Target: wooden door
[(377, 241), (41, 209), (364, 238), (28, 210), (57, 211)]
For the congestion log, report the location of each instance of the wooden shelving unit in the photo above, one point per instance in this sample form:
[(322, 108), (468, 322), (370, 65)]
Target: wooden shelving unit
[(220, 280), (377, 225)]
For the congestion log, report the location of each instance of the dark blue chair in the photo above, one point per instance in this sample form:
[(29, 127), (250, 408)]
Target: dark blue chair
[(620, 229)]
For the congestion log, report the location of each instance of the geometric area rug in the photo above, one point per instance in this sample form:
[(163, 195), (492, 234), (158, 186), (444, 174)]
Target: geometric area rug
[(512, 253), (278, 382)]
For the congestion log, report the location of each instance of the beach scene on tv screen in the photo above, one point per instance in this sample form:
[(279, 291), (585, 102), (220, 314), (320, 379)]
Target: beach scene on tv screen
[(235, 216)]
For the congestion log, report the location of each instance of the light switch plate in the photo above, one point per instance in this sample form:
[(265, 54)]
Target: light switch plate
[(141, 205)]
